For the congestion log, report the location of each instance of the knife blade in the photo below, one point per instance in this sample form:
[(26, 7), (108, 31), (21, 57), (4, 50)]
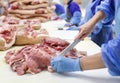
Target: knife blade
[(68, 48)]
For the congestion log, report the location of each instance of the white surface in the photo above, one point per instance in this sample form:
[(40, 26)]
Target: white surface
[(53, 25), (92, 76), (68, 35)]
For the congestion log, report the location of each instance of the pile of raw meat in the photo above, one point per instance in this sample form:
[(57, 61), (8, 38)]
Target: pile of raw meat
[(35, 58), (31, 9), (14, 31)]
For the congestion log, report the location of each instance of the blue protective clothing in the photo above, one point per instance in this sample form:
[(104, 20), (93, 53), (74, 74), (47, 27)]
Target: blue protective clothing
[(64, 64), (111, 56), (73, 28), (111, 13), (68, 25), (103, 36), (102, 32), (73, 13), (111, 50), (59, 9)]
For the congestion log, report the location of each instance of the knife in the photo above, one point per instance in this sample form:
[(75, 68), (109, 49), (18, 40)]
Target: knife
[(68, 48)]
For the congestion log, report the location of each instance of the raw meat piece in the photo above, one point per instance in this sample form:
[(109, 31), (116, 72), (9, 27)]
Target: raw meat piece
[(27, 35), (7, 36), (8, 55), (28, 12), (35, 23), (56, 43), (29, 7), (18, 5), (15, 5), (47, 16)]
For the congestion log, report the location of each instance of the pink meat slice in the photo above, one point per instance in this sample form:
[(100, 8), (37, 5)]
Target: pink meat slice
[(7, 32)]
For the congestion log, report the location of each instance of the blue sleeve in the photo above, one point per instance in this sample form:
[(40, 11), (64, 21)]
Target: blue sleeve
[(107, 6), (73, 7), (63, 16), (111, 56), (59, 9), (76, 18)]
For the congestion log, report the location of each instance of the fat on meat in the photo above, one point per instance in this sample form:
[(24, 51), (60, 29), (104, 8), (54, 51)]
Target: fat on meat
[(18, 5)]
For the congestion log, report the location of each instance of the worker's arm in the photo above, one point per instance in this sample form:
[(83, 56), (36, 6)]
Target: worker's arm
[(88, 27), (64, 64), (92, 62)]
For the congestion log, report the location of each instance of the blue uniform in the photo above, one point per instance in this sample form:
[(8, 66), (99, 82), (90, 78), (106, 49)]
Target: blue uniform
[(102, 32), (73, 13), (111, 50)]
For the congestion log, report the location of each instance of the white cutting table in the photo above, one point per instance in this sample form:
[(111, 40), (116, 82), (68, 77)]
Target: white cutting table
[(91, 76)]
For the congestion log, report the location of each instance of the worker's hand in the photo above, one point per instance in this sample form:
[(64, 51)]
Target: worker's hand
[(84, 31), (64, 64)]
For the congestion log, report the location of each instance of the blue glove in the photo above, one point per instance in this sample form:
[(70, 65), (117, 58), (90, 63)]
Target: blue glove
[(73, 28), (64, 64), (68, 25), (62, 16), (76, 18)]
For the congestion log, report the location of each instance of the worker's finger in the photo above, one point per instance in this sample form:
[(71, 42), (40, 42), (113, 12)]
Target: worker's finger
[(79, 36), (50, 69), (83, 36)]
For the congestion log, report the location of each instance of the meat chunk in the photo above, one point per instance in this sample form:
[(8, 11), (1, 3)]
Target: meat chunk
[(56, 43), (28, 36), (7, 36), (18, 5), (28, 12), (30, 59)]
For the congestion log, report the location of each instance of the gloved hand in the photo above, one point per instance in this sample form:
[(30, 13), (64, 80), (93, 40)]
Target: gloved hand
[(64, 64), (68, 25), (73, 28)]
